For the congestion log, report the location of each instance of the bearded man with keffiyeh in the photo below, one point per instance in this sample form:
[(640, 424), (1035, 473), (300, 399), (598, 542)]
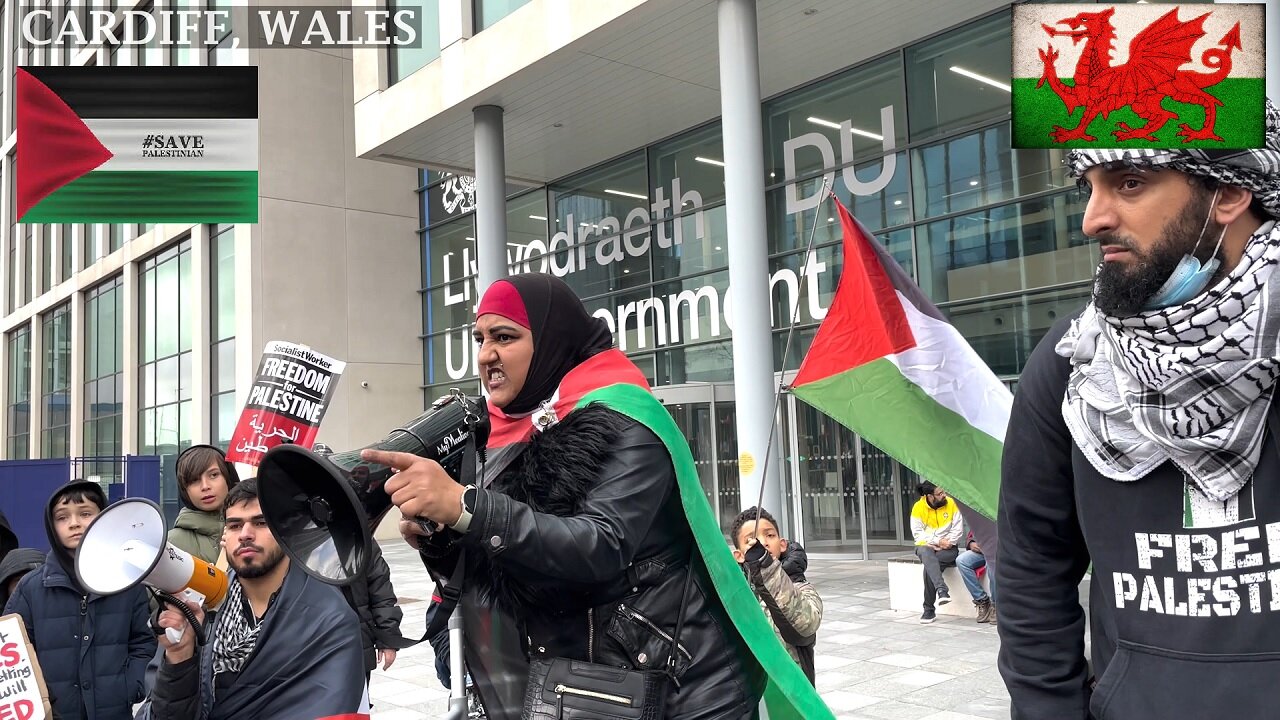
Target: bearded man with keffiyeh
[(1143, 444), (282, 645)]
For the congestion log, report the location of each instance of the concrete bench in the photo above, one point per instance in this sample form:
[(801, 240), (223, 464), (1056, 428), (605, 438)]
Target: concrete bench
[(906, 587)]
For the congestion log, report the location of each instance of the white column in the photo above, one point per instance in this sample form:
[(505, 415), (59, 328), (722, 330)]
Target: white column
[(748, 252), (130, 302), (248, 341), (75, 391), (37, 386), (200, 361), (491, 197)]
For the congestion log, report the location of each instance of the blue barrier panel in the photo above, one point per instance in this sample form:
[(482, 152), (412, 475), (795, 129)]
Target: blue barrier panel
[(142, 477), (25, 488), (26, 485)]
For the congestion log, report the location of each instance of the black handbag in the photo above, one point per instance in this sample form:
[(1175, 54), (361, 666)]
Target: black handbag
[(565, 689)]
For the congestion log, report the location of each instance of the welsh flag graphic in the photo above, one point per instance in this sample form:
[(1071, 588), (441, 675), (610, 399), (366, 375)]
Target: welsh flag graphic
[(886, 364), (137, 144), (1136, 75)]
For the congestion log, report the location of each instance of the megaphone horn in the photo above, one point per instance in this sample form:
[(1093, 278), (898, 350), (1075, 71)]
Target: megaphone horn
[(126, 544), (322, 509)]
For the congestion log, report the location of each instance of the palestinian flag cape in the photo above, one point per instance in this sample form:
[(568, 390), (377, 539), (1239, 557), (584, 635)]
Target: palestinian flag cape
[(886, 364), (611, 379), (137, 144)]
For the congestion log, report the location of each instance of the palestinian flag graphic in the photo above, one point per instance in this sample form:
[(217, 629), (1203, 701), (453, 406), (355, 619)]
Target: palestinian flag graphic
[(137, 144), (886, 364)]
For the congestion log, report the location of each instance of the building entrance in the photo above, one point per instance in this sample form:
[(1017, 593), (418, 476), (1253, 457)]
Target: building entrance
[(842, 494)]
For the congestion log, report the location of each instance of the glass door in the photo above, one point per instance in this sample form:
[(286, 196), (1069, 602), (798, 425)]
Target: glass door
[(706, 414), (825, 465)]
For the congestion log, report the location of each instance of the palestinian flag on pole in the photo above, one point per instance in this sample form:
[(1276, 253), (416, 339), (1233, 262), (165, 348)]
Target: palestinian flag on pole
[(886, 364), (137, 144)]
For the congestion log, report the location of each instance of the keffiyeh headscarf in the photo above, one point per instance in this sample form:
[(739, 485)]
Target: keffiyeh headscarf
[(1190, 383)]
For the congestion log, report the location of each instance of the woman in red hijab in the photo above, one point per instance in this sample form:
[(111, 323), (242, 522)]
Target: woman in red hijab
[(578, 534)]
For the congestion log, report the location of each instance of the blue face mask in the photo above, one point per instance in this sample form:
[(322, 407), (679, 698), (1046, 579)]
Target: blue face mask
[(1189, 278)]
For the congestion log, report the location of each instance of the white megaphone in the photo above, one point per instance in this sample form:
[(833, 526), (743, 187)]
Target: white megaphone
[(127, 544)]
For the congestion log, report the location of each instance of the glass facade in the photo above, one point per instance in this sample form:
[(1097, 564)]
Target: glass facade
[(18, 394), (165, 322), (55, 389), (919, 153), (488, 12), (103, 373), (222, 334)]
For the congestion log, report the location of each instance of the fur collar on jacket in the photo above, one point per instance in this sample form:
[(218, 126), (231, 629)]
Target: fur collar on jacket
[(552, 475)]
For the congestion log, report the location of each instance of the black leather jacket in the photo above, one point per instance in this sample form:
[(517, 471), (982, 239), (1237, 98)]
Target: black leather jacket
[(584, 540)]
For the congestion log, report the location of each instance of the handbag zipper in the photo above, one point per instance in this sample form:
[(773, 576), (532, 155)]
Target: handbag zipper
[(591, 635), (653, 627), (618, 699)]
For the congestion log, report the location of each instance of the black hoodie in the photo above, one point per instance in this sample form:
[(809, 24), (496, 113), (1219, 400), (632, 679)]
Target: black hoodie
[(21, 560), (8, 539), (91, 490)]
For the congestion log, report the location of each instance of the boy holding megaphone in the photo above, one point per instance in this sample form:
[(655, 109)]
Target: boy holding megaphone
[(92, 648)]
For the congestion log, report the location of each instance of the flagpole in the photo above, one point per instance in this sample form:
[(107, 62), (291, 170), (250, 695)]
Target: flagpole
[(786, 350)]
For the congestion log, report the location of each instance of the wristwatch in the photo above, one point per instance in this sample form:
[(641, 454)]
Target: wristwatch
[(468, 504)]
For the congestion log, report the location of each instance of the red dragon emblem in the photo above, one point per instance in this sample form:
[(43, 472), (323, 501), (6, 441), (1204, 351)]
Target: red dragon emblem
[(1150, 75)]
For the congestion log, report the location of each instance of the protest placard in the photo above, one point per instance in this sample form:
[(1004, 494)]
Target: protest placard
[(286, 402), (23, 695)]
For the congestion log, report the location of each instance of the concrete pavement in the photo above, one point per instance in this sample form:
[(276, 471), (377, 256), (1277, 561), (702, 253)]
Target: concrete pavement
[(872, 662)]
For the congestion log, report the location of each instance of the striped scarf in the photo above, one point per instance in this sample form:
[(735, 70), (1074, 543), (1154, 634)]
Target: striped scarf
[(236, 634), (1189, 383)]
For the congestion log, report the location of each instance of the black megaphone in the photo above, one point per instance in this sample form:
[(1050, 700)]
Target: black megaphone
[(323, 509)]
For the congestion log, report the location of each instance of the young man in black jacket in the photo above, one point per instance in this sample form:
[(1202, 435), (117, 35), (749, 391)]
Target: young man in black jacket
[(1143, 440), (374, 600)]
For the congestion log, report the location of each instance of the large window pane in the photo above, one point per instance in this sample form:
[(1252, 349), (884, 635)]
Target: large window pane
[(67, 245), (804, 127), (405, 61), (488, 12), (707, 362), (1004, 332), (18, 397), (223, 318), (688, 171), (222, 354), (47, 264), (960, 78), (527, 231), (165, 380), (90, 252), (1032, 244), (601, 232), (699, 242), (56, 382), (980, 169), (452, 251), (619, 191), (450, 356), (29, 232), (885, 208)]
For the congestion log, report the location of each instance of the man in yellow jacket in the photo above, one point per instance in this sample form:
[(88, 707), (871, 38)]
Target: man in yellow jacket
[(937, 528)]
